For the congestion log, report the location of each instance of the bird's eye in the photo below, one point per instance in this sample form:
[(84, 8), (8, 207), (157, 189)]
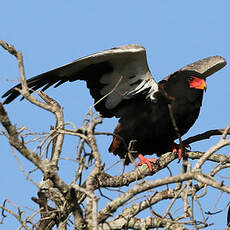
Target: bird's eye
[(190, 78)]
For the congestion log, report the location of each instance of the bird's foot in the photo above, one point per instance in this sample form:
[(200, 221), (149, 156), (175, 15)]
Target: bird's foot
[(149, 161), (177, 148)]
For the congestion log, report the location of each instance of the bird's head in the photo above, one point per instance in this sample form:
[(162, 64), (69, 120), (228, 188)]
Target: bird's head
[(197, 82), (185, 84), (190, 81)]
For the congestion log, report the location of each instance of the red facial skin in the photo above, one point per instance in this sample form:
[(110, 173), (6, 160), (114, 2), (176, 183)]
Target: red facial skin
[(197, 83)]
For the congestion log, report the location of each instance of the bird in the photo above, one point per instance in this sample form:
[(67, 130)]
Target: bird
[(120, 82)]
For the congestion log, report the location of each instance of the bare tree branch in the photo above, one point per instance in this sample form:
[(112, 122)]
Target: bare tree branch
[(77, 204), (15, 142)]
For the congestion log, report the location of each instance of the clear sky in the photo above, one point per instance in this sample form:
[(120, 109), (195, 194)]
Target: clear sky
[(52, 33)]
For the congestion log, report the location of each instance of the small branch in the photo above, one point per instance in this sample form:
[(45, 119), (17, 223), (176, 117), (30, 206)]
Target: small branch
[(211, 182), (9, 48), (94, 204), (23, 171), (47, 215), (58, 141), (178, 194), (17, 216), (223, 142), (125, 179), (110, 92), (141, 223), (204, 136), (91, 204), (112, 206), (105, 180), (175, 126), (14, 141), (150, 201)]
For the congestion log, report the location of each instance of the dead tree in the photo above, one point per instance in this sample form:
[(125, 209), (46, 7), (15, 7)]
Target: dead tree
[(76, 205)]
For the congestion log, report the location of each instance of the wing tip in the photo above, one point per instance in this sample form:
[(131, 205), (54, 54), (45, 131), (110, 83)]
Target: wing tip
[(207, 66), (130, 47)]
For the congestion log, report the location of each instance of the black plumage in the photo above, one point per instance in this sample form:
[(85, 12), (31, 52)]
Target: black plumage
[(150, 123), (122, 78)]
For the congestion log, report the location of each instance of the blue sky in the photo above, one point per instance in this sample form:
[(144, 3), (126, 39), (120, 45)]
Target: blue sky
[(53, 33)]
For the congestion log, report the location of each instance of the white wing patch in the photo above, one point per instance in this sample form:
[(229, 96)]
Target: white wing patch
[(129, 78), (130, 70)]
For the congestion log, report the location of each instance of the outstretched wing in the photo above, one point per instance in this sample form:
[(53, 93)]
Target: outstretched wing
[(116, 75)]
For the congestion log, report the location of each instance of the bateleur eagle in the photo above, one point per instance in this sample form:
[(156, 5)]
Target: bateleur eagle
[(122, 78)]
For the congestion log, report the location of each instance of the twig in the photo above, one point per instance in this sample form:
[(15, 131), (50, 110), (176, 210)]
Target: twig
[(223, 142), (110, 92), (23, 171), (17, 216), (204, 135), (15, 142)]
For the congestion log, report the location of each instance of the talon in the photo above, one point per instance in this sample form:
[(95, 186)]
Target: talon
[(176, 148), (149, 161)]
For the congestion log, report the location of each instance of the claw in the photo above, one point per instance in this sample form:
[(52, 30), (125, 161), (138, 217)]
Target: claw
[(176, 148), (149, 161)]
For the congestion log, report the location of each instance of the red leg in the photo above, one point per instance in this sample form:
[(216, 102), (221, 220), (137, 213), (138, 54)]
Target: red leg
[(149, 161), (176, 148)]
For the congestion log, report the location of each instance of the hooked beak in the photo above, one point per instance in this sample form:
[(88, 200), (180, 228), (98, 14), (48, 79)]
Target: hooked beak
[(203, 85)]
